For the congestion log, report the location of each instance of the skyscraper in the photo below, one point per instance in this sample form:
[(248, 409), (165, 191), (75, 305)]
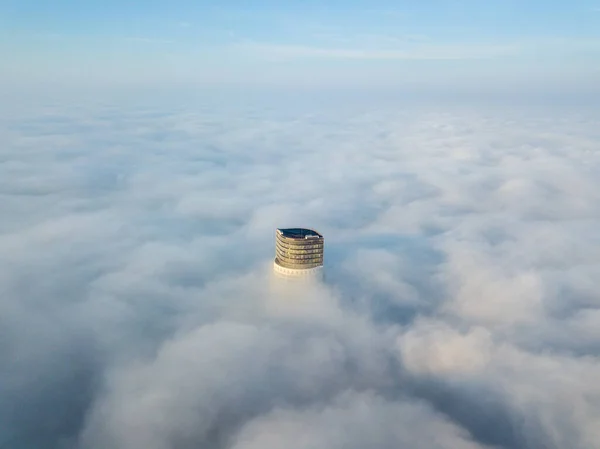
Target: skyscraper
[(298, 253)]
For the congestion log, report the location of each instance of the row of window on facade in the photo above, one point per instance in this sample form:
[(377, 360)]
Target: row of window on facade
[(286, 264), (299, 251), (303, 258), (285, 245)]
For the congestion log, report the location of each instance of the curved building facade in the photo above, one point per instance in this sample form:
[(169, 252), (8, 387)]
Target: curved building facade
[(298, 252)]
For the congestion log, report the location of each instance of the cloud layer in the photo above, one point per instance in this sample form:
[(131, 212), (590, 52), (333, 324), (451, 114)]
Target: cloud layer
[(460, 307)]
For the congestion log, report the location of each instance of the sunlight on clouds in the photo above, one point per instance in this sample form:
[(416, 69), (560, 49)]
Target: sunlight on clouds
[(459, 307)]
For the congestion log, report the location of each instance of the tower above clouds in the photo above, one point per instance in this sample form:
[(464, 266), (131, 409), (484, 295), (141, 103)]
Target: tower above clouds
[(298, 253)]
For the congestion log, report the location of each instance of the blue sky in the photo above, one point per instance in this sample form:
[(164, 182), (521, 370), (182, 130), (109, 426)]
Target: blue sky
[(439, 42)]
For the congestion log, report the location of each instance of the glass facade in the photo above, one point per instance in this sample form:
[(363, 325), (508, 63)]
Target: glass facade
[(300, 249)]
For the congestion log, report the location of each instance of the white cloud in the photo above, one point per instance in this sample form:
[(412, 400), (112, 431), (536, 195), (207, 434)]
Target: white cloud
[(404, 52), (346, 423), (460, 307), (150, 40), (473, 360)]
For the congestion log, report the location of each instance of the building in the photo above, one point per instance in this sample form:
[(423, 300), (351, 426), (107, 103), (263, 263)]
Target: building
[(298, 253)]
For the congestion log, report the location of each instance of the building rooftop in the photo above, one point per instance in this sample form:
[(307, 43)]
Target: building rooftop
[(299, 233)]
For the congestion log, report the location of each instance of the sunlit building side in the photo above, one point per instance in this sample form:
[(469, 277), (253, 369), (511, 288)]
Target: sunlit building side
[(298, 253)]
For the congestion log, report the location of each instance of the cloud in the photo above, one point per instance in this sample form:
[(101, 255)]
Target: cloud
[(346, 423), (403, 52), (373, 47), (150, 40), (460, 307)]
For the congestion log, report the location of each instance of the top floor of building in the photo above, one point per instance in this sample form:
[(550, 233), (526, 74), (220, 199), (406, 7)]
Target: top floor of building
[(299, 234)]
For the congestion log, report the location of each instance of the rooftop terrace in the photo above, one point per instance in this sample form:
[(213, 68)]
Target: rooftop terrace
[(299, 233)]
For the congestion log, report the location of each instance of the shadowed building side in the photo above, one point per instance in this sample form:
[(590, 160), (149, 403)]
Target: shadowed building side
[(298, 253)]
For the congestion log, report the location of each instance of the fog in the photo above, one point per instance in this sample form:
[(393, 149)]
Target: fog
[(460, 307)]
